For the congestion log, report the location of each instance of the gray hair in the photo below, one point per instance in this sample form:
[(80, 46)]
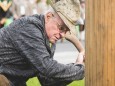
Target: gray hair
[(49, 10)]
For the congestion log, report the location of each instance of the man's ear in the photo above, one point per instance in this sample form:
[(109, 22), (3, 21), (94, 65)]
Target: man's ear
[(48, 16)]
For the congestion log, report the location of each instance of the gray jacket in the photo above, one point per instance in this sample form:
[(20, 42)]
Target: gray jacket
[(25, 52)]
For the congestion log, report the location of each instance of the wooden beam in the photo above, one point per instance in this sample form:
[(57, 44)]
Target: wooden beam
[(100, 43)]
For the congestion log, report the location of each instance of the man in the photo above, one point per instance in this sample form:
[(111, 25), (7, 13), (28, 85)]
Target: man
[(27, 47)]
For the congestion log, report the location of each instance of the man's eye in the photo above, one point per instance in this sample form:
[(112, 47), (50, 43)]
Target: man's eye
[(61, 28)]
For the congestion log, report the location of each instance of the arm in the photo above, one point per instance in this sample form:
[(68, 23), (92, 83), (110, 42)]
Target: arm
[(73, 39)]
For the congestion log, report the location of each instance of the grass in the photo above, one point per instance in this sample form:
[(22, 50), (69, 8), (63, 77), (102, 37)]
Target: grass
[(34, 82)]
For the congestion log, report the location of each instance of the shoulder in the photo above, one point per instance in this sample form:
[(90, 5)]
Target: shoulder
[(34, 19), (27, 22), (26, 25)]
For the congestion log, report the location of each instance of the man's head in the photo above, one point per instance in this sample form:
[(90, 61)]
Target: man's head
[(54, 26), (69, 12)]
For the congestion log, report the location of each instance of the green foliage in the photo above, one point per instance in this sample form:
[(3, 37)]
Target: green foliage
[(34, 82), (77, 83), (48, 2), (6, 0)]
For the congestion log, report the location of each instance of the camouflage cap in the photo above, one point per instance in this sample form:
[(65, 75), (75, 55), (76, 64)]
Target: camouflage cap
[(68, 10)]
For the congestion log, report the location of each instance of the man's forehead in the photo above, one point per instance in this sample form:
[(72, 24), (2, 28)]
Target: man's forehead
[(61, 21), (58, 17)]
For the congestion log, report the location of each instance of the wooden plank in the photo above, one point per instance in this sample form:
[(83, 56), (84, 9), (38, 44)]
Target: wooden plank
[(100, 43)]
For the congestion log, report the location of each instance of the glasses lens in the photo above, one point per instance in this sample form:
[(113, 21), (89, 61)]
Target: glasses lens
[(62, 28)]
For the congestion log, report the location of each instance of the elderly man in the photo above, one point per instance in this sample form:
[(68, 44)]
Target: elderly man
[(27, 47)]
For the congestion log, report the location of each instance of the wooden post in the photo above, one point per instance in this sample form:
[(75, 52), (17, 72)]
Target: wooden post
[(100, 43)]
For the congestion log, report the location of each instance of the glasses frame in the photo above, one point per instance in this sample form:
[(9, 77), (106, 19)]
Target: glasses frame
[(62, 28)]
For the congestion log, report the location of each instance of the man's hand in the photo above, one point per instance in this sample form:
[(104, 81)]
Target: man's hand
[(68, 35)]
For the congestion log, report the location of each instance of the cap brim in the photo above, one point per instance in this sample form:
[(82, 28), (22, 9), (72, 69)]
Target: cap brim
[(71, 26)]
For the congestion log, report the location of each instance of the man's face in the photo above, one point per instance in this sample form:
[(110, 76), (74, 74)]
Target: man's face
[(55, 27)]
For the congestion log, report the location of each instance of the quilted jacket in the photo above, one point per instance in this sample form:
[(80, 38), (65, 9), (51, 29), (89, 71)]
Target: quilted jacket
[(25, 52)]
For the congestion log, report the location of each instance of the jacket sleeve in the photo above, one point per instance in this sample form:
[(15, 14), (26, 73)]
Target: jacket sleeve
[(30, 42)]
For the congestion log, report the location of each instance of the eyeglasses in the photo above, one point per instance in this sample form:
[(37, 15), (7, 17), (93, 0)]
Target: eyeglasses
[(62, 28)]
